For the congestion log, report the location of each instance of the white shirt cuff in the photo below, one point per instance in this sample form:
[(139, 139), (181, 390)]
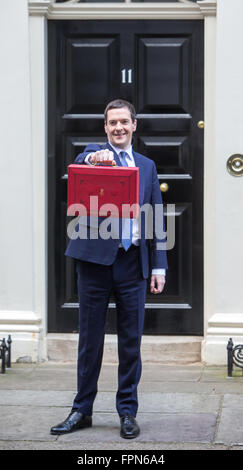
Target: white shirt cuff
[(86, 160), (159, 271)]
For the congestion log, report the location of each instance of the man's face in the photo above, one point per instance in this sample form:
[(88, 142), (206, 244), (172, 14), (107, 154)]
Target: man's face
[(119, 127)]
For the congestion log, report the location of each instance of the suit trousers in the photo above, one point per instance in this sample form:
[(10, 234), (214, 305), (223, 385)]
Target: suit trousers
[(96, 282)]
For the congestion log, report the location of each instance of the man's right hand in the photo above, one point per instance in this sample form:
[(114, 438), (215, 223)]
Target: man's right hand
[(106, 157)]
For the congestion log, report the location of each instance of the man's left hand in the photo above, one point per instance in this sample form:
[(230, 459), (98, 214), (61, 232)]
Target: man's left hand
[(157, 283)]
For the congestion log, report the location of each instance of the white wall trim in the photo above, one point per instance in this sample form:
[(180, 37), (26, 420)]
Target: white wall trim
[(89, 11), (209, 157), (19, 321), (208, 8), (37, 8), (26, 330), (39, 106), (221, 327)]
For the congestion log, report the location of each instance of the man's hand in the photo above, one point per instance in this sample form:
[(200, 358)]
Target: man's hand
[(102, 156), (157, 283)]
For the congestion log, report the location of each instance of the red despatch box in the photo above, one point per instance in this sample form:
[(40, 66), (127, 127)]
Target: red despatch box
[(118, 186)]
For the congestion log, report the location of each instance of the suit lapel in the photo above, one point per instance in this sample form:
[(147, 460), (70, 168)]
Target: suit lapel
[(142, 173)]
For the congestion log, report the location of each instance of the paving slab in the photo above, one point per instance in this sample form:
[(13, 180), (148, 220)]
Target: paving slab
[(210, 387), (220, 374), (105, 401), (169, 373), (63, 376), (233, 401), (29, 423), (163, 402), (36, 377), (178, 403), (189, 427), (33, 398), (230, 429)]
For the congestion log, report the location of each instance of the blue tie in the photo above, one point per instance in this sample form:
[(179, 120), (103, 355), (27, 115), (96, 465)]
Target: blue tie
[(126, 238), (123, 156)]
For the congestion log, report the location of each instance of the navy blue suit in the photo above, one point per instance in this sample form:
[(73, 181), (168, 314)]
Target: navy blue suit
[(103, 268)]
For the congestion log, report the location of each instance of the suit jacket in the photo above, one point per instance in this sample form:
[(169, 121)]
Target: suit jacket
[(105, 251)]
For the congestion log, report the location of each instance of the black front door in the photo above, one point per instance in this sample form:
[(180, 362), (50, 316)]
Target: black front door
[(157, 65)]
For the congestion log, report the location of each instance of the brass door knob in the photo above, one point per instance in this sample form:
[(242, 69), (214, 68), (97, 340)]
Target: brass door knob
[(200, 124), (164, 187)]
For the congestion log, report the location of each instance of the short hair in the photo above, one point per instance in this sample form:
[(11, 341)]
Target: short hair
[(119, 103)]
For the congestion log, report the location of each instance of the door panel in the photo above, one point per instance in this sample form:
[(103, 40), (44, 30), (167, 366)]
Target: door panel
[(85, 87), (171, 154), (163, 78), (158, 65), (163, 123)]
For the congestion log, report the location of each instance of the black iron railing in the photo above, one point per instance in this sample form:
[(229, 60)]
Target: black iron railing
[(235, 356), (5, 353)]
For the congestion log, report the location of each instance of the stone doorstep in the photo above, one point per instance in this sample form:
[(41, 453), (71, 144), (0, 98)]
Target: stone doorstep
[(163, 349)]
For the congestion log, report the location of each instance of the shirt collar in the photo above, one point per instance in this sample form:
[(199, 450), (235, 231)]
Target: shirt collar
[(118, 150)]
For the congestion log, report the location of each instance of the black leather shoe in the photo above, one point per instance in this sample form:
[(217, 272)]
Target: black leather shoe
[(129, 427), (74, 421)]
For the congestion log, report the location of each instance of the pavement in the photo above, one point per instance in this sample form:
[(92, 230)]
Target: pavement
[(181, 407)]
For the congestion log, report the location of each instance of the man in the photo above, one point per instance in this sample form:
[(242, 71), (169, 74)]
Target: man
[(118, 265)]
